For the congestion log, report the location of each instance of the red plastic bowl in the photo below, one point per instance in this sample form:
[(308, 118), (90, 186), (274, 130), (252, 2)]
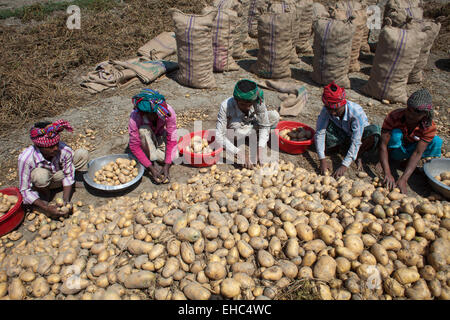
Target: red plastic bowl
[(199, 159), (13, 217), (289, 146)]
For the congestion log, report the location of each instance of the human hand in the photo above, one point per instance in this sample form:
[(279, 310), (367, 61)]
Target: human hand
[(340, 172), (165, 177), (156, 174), (389, 181), (402, 185), (324, 166)]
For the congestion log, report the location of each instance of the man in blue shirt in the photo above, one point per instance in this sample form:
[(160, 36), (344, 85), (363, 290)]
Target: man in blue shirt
[(343, 123)]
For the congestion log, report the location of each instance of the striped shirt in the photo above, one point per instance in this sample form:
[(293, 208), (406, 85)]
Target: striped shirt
[(31, 158), (353, 123)]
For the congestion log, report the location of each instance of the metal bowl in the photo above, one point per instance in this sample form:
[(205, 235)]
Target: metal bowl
[(97, 164), (436, 167)]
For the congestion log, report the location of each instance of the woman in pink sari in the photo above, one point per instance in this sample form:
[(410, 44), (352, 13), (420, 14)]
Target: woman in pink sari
[(153, 133)]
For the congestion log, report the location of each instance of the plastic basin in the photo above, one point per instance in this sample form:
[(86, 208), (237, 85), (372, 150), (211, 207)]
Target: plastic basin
[(14, 217), (289, 146), (199, 159)]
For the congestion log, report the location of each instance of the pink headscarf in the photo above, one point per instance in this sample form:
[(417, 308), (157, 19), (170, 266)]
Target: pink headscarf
[(49, 136)]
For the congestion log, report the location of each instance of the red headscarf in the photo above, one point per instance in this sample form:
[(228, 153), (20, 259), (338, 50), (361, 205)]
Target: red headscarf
[(334, 96), (49, 136)]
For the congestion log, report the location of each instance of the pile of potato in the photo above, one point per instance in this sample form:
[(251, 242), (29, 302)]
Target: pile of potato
[(117, 172), (444, 177), (7, 202), (241, 234), (296, 134), (199, 145)]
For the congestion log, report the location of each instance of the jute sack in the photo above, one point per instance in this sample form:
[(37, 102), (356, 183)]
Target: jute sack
[(319, 11), (237, 43), (345, 10), (431, 30), (275, 45), (194, 48), (332, 51), (396, 55), (222, 39), (289, 8), (159, 47), (255, 10), (399, 10), (305, 21)]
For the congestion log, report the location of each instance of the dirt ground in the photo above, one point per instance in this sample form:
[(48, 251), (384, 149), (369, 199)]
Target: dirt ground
[(108, 117)]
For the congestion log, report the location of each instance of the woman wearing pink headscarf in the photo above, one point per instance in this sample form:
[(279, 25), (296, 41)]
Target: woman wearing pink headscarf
[(48, 164)]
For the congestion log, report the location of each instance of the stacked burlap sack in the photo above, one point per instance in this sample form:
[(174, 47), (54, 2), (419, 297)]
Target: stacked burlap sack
[(332, 50), (275, 46), (397, 52), (353, 9), (305, 22), (402, 51)]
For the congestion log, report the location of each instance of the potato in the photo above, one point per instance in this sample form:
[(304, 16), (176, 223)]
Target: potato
[(390, 243), (171, 266), (316, 245), (73, 285), (245, 250), (188, 234), (187, 253), (16, 290), (139, 247), (273, 273), (215, 271), (139, 280), (354, 243), (265, 259), (309, 259), (325, 268), (194, 291), (393, 288), (419, 291), (406, 276), (380, 253), (292, 248), (230, 288), (346, 253), (3, 289), (327, 234), (289, 268), (243, 267)]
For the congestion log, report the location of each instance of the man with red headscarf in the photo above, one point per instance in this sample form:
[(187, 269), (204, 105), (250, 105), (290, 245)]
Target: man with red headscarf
[(48, 164), (343, 123)]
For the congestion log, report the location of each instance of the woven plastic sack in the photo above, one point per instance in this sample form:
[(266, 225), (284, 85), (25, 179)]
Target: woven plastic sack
[(353, 9), (431, 30), (194, 48), (332, 39), (275, 45), (305, 21), (222, 39), (319, 11), (398, 11), (397, 52)]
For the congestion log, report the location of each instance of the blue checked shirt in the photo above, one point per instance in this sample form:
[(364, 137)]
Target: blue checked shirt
[(353, 123)]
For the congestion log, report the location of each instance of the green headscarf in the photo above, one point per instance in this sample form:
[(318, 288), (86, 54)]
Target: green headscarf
[(252, 95)]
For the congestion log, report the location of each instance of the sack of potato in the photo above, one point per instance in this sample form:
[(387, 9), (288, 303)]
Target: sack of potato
[(117, 172), (241, 234), (7, 202)]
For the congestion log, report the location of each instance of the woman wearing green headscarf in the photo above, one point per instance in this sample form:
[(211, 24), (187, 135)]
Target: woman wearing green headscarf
[(239, 115), (153, 133)]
